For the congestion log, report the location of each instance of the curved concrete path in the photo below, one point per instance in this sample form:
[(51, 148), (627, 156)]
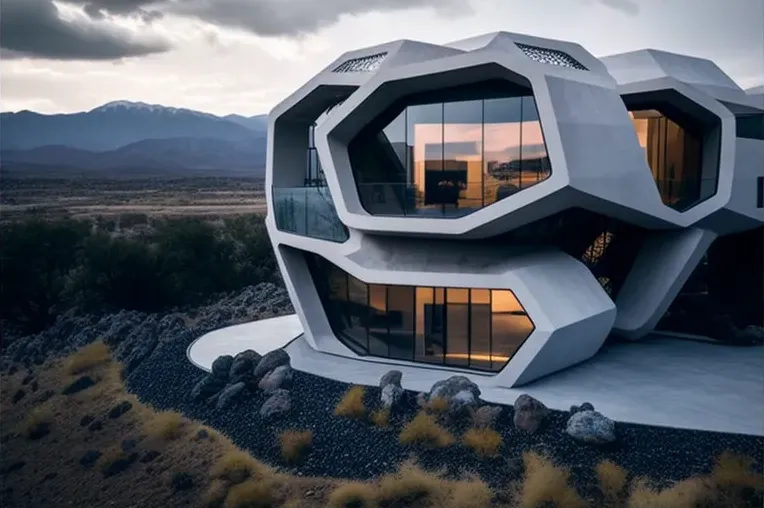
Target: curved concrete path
[(659, 381)]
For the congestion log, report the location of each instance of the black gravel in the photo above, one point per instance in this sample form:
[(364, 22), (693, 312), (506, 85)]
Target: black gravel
[(358, 450)]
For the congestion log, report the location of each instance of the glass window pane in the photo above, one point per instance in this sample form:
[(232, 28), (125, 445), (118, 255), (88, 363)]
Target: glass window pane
[(424, 133), (480, 328), (501, 147), (510, 326), (395, 137), (534, 165), (424, 301), (400, 312), (357, 313), (457, 326), (463, 149), (378, 320)]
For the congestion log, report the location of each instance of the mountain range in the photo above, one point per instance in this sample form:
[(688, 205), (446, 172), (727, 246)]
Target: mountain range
[(124, 138)]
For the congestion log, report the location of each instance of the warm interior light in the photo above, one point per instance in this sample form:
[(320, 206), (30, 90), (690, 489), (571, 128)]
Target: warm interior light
[(483, 358)]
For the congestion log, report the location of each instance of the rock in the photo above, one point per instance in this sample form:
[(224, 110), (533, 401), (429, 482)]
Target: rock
[(149, 456), (486, 416), (447, 388), (270, 361), (27, 379), (119, 465), (391, 394), (229, 395), (530, 413), (129, 445), (86, 420), (278, 378), (751, 334), (202, 435), (586, 407), (207, 387), (391, 377), (221, 367), (90, 458), (120, 409), (277, 404), (421, 399), (81, 383), (182, 481), (463, 401), (18, 396), (243, 366), (34, 386), (96, 425), (591, 427)]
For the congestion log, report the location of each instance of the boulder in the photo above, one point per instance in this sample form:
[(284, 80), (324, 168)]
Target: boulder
[(221, 367), (586, 406), (229, 395), (270, 361), (421, 399), (462, 402), (530, 414), (591, 427), (391, 377), (207, 387), (278, 378), (447, 388), (243, 366), (81, 383), (120, 409), (279, 403), (486, 416), (751, 334), (391, 395)]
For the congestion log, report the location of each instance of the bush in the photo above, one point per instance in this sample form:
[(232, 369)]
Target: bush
[(381, 417), (352, 495), (424, 430), (351, 405), (167, 425), (411, 486), (39, 422), (544, 482), (294, 444), (252, 494), (437, 405), (612, 481), (688, 493), (92, 355), (485, 442), (237, 466), (472, 493)]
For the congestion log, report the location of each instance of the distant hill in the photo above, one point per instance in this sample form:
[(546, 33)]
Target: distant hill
[(135, 135)]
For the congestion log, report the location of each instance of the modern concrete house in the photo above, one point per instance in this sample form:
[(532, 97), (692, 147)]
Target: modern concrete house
[(502, 205)]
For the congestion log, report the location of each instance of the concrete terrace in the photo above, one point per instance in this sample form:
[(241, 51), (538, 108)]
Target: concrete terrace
[(658, 381)]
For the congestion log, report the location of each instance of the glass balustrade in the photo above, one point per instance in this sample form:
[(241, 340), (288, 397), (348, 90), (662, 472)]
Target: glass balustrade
[(308, 211)]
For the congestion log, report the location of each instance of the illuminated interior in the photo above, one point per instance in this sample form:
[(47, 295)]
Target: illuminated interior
[(460, 327)]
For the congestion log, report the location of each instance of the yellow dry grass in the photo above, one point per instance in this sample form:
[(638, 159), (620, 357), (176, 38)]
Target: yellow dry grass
[(352, 495), (470, 493), (237, 466), (612, 481), (688, 493), (295, 444), (485, 442), (38, 419), (88, 357), (545, 482), (381, 418), (437, 405), (165, 425), (411, 486), (252, 494), (424, 430), (215, 494), (351, 404)]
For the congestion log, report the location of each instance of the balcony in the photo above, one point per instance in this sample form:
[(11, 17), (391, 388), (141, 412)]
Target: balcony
[(308, 211)]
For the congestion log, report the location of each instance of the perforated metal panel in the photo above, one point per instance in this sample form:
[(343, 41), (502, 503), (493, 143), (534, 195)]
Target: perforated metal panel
[(364, 64), (550, 56)]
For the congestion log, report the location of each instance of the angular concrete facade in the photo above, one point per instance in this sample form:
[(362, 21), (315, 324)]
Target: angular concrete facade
[(504, 203)]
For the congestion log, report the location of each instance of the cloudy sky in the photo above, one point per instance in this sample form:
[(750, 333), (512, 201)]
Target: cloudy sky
[(244, 56)]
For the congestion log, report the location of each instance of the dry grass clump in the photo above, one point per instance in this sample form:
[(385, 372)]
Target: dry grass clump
[(544, 482), (471, 493), (215, 495), (411, 486), (437, 405), (92, 355), (612, 480), (486, 442), (165, 425), (424, 430), (352, 495), (735, 471), (38, 422), (237, 466), (252, 494), (381, 417), (351, 405), (295, 443), (688, 493)]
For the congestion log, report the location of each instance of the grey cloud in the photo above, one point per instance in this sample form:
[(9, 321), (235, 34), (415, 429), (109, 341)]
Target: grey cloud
[(98, 9), (630, 7), (33, 28)]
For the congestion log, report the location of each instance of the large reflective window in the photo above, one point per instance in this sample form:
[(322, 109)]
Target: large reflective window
[(675, 157), (459, 327), (459, 156)]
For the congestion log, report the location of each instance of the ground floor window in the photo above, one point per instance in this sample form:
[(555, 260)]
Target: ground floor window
[(474, 328)]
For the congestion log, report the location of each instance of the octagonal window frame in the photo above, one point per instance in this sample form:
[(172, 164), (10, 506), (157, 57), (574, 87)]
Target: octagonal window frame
[(445, 303), (470, 195), (693, 120)]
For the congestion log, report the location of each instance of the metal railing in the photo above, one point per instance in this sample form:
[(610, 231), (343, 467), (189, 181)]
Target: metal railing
[(308, 211)]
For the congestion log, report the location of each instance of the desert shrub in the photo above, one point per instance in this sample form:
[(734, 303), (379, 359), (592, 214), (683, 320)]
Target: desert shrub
[(734, 482), (351, 404), (470, 493), (485, 442), (612, 481), (115, 460), (545, 482), (295, 443), (381, 417), (411, 486), (165, 425), (87, 357), (352, 495), (424, 430), (688, 493), (237, 466), (215, 494), (252, 494), (39, 422), (129, 220)]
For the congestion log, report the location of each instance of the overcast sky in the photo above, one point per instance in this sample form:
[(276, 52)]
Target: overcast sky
[(244, 56)]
